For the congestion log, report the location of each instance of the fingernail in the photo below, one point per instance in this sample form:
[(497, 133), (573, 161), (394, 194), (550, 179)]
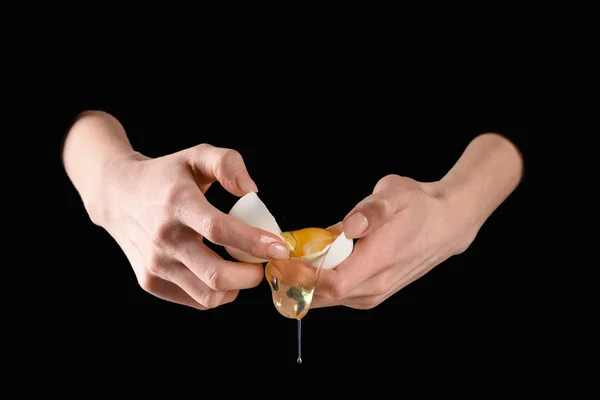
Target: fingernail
[(245, 183), (355, 225), (278, 251), (336, 228)]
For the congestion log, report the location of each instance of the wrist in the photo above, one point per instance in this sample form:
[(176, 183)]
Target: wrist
[(111, 176), (484, 176), (95, 145), (463, 215)]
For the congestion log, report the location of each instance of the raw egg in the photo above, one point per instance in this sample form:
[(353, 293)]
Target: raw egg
[(316, 247)]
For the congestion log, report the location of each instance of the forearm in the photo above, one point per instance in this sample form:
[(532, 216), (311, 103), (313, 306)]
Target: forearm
[(487, 172), (94, 140)]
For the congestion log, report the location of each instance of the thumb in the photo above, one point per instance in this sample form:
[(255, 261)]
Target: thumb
[(390, 195), (211, 163)]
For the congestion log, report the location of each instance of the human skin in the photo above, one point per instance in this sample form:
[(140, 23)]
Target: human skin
[(405, 228), (156, 211)]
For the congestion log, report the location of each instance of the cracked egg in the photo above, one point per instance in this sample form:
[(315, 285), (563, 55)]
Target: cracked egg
[(316, 247)]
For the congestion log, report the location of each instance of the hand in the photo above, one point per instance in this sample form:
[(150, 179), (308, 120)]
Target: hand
[(405, 228), (157, 212)]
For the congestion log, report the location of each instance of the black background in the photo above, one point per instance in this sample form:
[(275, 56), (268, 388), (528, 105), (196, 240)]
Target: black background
[(311, 167)]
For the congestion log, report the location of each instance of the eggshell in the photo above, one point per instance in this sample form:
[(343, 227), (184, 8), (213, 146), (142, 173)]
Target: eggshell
[(339, 251), (315, 259), (251, 210)]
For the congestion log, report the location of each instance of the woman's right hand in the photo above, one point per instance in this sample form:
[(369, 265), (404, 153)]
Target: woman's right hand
[(156, 211)]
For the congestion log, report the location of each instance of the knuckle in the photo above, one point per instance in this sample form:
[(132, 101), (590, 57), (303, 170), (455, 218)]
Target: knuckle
[(257, 280), (390, 179), (397, 181), (338, 289), (231, 297), (214, 278), (229, 157), (228, 164), (383, 205), (212, 299), (172, 196), (381, 285), (214, 229), (199, 151), (147, 282), (161, 234), (155, 266), (203, 146)]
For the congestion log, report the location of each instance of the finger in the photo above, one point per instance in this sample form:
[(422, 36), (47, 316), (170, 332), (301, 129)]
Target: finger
[(217, 273), (319, 301), (168, 291), (338, 283), (180, 275), (363, 302), (390, 195), (166, 282), (225, 230), (378, 284), (337, 228), (223, 165)]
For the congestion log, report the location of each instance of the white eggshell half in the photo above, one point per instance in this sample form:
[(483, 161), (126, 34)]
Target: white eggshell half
[(339, 251), (251, 210), (315, 258)]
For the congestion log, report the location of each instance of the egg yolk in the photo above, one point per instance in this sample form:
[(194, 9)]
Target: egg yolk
[(307, 241)]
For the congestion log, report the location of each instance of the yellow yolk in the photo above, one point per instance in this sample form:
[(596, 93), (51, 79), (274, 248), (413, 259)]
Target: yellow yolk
[(307, 241)]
